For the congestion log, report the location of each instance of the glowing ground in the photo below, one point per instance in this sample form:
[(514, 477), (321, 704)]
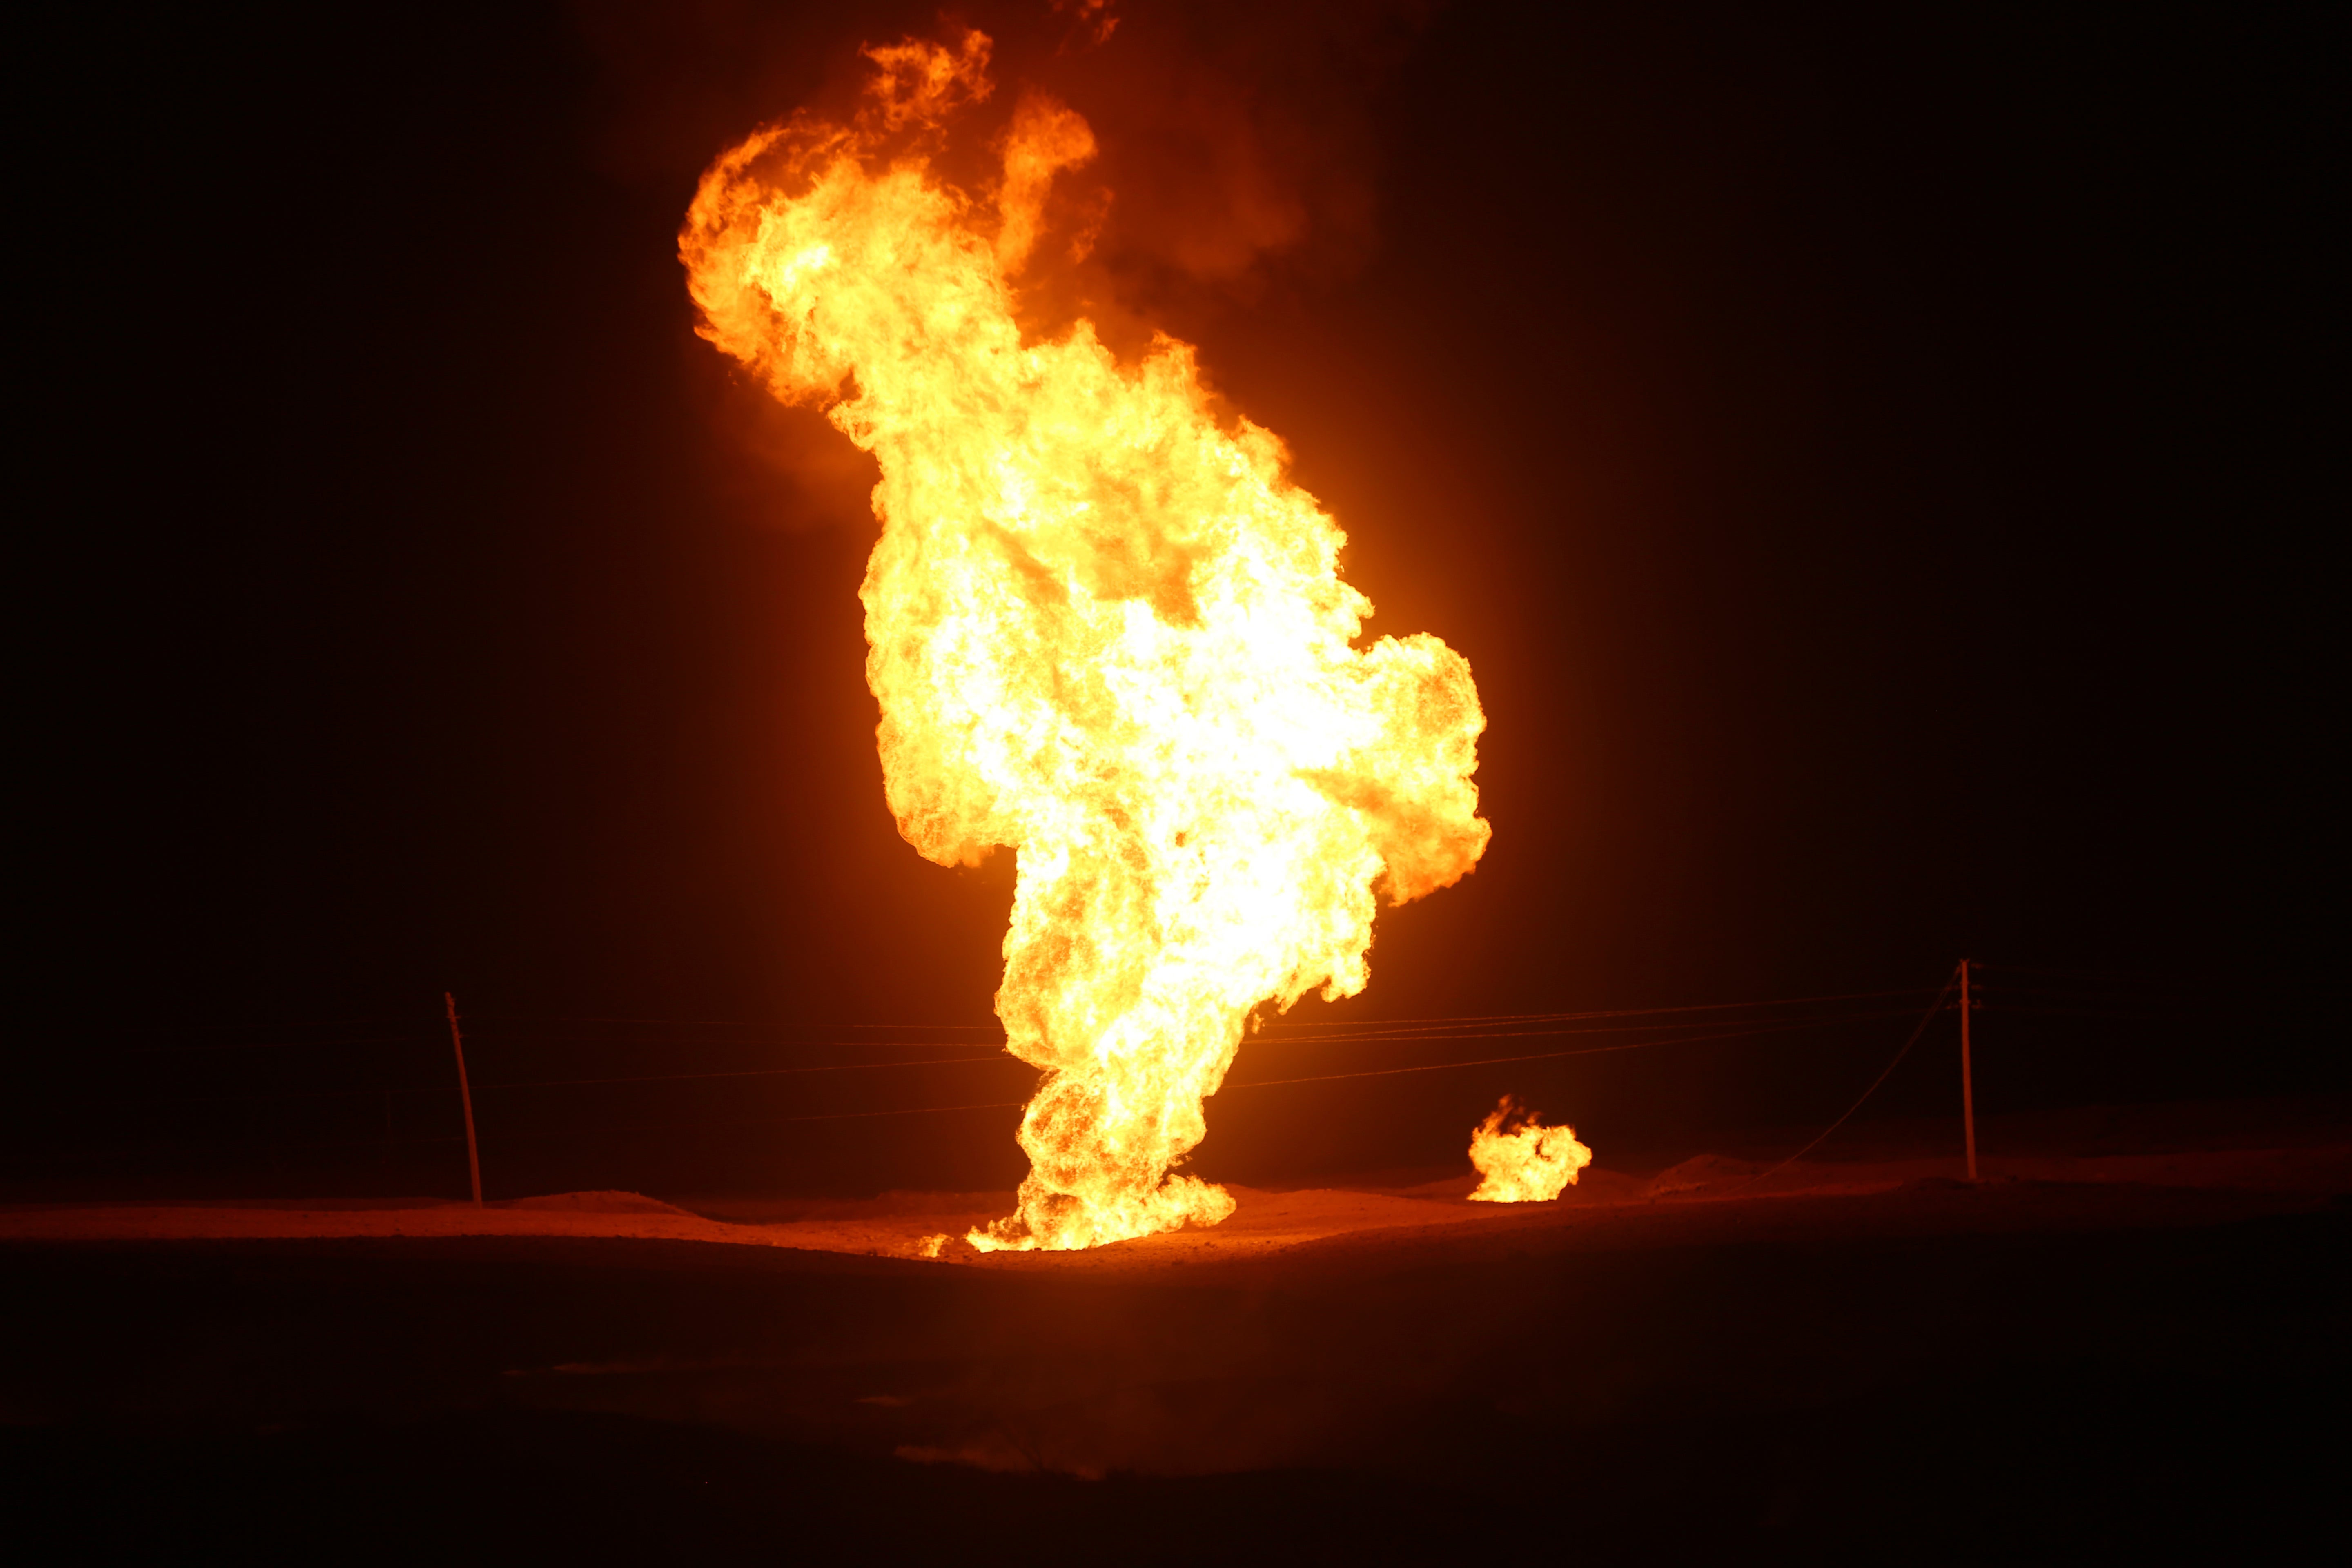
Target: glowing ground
[(1706, 1195), (1661, 1366)]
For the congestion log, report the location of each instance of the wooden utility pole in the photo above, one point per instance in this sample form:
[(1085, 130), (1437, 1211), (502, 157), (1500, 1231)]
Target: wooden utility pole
[(1968, 1079), (474, 1158)]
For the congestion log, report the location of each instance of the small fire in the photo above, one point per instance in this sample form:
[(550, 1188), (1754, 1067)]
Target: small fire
[(1523, 1161), (1105, 629)]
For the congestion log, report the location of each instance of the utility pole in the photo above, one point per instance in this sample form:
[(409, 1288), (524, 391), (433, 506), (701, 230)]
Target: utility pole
[(474, 1158), (1968, 1078)]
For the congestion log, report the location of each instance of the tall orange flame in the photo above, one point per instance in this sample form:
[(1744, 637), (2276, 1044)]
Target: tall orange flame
[(1104, 630)]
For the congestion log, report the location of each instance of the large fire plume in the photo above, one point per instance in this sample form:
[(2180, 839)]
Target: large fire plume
[(1522, 1160), (1105, 629)]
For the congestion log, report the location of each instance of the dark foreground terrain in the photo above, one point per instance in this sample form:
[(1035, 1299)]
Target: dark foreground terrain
[(2023, 1370)]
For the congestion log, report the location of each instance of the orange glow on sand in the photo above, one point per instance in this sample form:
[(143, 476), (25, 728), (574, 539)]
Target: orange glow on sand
[(1521, 1160), (1105, 629)]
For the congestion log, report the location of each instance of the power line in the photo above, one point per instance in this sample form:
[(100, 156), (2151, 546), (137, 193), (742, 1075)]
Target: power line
[(1665, 1025), (760, 1120), (756, 1072), (1818, 1020), (1929, 1017), (568, 1083), (1539, 1056), (2071, 1013), (1776, 1026), (529, 1028), (2100, 975), (643, 1042), (266, 1045), (1600, 1012)]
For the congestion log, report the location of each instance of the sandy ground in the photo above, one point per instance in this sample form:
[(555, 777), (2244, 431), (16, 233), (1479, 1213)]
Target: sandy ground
[(1716, 1191), (1831, 1353)]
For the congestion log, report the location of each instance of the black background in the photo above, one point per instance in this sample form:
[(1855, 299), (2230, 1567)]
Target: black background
[(1871, 459)]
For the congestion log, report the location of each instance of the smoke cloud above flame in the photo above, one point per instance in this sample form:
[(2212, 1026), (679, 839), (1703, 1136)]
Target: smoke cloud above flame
[(1105, 629)]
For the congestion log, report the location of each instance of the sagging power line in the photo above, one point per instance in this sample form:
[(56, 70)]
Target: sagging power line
[(1625, 1029)]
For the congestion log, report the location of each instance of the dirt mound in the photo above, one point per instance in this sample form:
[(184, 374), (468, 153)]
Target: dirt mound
[(593, 1203), (1700, 1171), (1592, 1185), (753, 1209)]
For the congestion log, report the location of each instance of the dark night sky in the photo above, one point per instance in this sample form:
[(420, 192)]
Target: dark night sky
[(1869, 458)]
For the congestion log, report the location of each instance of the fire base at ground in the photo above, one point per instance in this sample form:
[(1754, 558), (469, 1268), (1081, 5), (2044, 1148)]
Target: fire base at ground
[(2094, 1346)]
